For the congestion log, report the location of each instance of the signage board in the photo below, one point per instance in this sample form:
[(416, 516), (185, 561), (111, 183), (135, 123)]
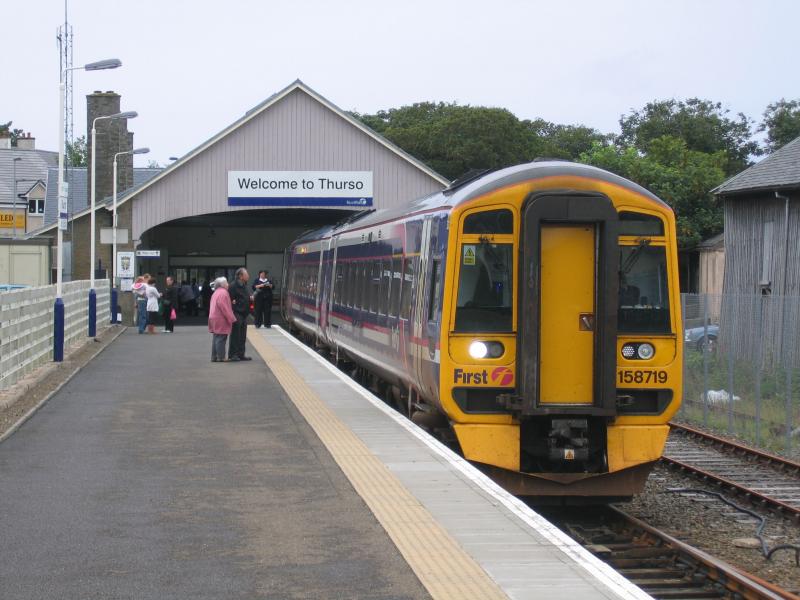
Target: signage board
[(63, 206), (7, 219), (148, 253), (341, 189), (125, 265), (107, 235)]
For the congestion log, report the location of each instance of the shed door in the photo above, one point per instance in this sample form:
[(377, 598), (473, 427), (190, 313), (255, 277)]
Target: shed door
[(567, 332)]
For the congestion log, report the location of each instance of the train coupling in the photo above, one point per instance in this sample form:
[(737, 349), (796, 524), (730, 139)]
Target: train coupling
[(568, 440)]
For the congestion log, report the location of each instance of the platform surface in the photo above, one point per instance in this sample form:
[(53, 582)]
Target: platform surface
[(157, 474)]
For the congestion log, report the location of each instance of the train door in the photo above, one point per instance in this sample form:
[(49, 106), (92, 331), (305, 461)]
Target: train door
[(567, 335), (419, 318)]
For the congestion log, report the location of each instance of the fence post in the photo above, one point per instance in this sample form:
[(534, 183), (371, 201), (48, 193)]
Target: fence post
[(683, 315), (705, 360), (788, 365), (759, 333), (729, 346)]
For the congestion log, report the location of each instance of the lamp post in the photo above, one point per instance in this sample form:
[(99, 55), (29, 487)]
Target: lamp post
[(14, 162), (92, 293), (114, 233), (63, 209)]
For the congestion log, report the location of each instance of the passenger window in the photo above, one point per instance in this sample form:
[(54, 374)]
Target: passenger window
[(365, 274), (386, 279), (408, 278), (394, 302), (374, 287), (433, 294)]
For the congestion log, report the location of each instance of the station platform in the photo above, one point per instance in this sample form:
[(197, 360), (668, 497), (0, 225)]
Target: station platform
[(156, 474)]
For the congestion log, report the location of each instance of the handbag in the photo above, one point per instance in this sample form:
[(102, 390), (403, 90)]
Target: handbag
[(173, 315)]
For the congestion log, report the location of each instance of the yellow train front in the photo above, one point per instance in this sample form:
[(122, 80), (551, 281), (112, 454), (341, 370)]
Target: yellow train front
[(561, 352), (533, 311)]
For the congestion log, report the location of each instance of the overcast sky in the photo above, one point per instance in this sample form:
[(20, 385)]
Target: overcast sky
[(191, 67)]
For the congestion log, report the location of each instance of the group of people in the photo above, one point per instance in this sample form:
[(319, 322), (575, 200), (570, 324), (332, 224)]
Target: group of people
[(150, 302), (228, 308), (228, 311)]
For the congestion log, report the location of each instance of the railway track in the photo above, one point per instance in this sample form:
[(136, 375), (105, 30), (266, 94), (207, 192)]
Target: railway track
[(766, 480), (661, 565)]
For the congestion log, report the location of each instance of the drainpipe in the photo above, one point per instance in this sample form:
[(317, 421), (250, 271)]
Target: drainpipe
[(780, 196)]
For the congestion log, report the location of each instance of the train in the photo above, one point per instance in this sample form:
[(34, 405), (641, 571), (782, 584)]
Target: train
[(531, 313)]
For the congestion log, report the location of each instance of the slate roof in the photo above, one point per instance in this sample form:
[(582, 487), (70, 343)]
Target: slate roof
[(33, 166), (781, 169), (79, 190)]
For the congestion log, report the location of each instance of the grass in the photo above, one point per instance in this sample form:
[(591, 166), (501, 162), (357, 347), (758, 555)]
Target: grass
[(759, 418)]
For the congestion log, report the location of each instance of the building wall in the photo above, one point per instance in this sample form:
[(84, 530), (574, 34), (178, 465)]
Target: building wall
[(712, 271), (759, 270), (295, 134), (25, 263)]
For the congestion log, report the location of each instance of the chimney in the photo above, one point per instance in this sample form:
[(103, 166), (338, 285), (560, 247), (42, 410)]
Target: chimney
[(26, 142), (112, 137), (5, 140)]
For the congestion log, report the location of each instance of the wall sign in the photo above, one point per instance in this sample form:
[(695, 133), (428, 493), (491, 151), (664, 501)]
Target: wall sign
[(148, 253), (125, 265), (300, 188)]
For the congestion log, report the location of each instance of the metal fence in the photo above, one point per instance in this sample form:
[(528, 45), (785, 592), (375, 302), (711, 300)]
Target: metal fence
[(742, 368)]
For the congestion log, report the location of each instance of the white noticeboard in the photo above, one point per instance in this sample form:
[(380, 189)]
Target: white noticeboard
[(63, 206), (107, 235), (125, 265)]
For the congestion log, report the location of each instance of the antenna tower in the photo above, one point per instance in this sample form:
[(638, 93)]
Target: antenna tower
[(64, 37)]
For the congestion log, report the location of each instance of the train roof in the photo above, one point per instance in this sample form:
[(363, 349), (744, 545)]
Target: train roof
[(456, 194)]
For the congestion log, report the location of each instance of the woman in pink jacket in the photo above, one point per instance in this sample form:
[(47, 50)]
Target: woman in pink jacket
[(220, 319)]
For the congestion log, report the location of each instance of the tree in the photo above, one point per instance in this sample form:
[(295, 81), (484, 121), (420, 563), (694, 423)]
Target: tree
[(454, 139), (77, 153), (680, 176), (781, 122), (702, 124), (552, 140), (153, 164), (15, 133)]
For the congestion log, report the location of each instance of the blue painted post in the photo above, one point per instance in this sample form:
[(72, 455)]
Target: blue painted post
[(113, 305), (58, 331), (92, 313)]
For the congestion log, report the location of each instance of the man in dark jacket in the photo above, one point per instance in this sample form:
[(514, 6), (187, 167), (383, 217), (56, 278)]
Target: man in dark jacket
[(240, 301), (169, 302), (262, 288)]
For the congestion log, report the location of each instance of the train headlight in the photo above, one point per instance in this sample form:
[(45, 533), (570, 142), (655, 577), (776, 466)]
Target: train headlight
[(480, 349), (629, 351), (645, 351)]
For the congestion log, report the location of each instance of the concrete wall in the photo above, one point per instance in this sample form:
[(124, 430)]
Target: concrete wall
[(25, 263), (26, 324)]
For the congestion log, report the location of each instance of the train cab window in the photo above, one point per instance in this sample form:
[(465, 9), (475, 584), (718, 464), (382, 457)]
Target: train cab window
[(485, 288), (643, 292), (394, 293), (632, 223), (490, 221), (405, 295)]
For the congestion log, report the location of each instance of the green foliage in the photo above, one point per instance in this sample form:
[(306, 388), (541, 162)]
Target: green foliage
[(680, 176), (781, 122), (15, 133), (77, 153), (454, 139), (702, 124)]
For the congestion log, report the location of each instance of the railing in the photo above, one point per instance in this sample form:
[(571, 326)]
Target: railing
[(742, 368), (26, 324)]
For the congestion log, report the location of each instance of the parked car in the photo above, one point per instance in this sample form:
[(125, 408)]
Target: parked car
[(700, 337)]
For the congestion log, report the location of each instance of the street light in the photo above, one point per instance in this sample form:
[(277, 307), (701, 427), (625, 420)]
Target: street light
[(14, 162), (114, 233), (63, 208), (131, 114)]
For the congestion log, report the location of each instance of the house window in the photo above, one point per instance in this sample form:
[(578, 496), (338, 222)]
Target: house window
[(36, 206)]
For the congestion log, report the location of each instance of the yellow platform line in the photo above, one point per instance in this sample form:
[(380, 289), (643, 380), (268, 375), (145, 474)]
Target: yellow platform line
[(443, 567)]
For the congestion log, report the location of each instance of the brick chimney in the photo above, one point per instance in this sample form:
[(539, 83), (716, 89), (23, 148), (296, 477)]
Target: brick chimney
[(112, 137), (26, 142), (5, 140)]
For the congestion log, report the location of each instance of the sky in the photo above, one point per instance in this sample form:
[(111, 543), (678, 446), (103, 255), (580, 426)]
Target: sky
[(192, 67)]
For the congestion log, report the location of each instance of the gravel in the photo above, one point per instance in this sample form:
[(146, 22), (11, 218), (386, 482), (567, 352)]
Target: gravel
[(710, 525)]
